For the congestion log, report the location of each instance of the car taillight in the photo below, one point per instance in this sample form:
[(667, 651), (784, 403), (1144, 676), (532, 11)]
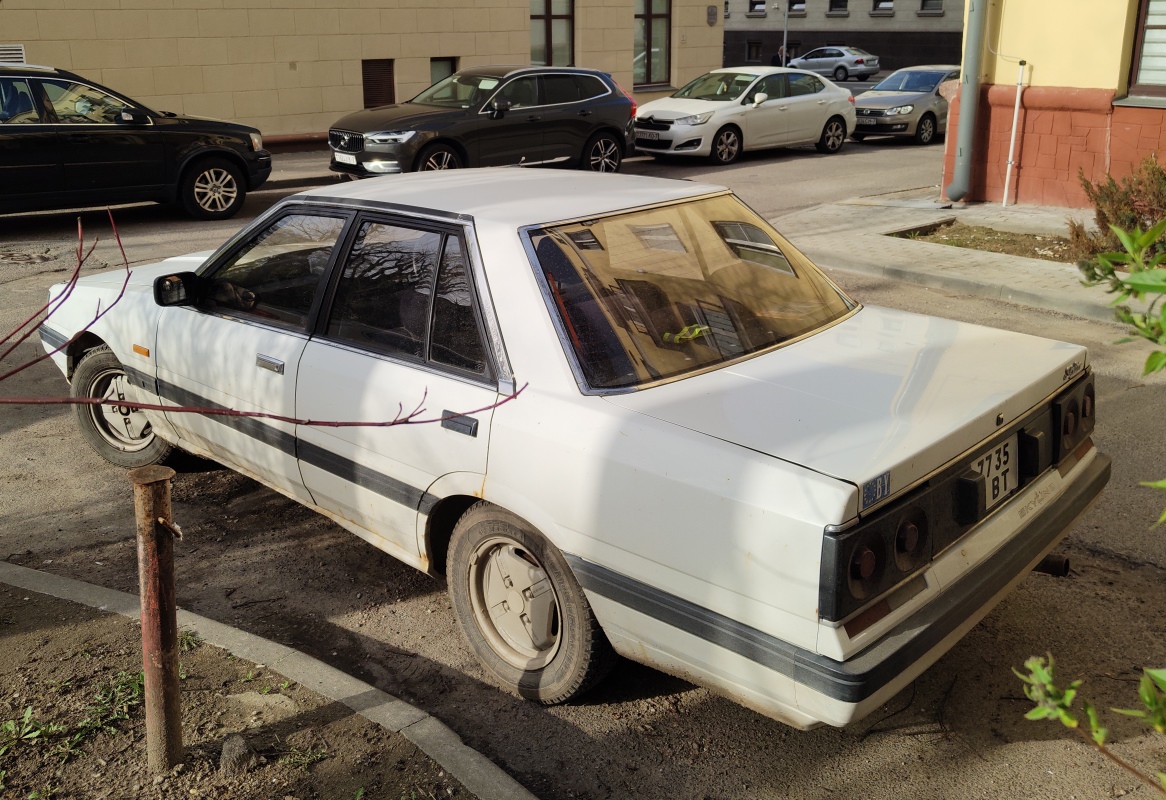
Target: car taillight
[(628, 96), (858, 61)]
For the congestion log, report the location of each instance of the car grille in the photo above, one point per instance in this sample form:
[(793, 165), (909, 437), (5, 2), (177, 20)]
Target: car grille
[(653, 144), (653, 124), (871, 112), (346, 141)]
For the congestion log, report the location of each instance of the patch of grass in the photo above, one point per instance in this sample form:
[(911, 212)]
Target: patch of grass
[(303, 758), (188, 640), (25, 730)]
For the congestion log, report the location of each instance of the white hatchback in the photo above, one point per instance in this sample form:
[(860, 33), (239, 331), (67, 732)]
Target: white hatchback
[(657, 429), (727, 111)]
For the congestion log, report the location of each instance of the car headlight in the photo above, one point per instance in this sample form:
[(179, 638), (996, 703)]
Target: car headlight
[(256, 142), (390, 137), (695, 119), (900, 110)]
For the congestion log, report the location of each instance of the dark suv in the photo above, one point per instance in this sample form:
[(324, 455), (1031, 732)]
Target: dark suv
[(68, 142), (491, 116)]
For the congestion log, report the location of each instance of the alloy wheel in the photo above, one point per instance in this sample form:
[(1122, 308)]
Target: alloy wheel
[(215, 190)]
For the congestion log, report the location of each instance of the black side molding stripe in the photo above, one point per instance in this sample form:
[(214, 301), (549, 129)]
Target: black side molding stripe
[(140, 379), (51, 338), (860, 677), (346, 468)]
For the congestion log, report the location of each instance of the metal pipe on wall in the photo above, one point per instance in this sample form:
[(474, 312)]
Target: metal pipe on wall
[(1012, 143), (961, 181)]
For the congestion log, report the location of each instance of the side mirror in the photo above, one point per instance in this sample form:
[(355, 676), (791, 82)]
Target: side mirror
[(180, 289), (759, 98), (133, 117), (499, 108)]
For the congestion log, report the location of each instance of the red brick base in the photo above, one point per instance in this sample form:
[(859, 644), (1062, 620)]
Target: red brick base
[(1062, 131)]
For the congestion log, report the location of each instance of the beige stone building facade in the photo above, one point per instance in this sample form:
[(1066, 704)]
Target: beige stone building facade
[(295, 66)]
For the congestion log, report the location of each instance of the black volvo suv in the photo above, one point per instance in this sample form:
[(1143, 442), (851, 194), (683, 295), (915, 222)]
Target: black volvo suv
[(492, 116), (68, 142)]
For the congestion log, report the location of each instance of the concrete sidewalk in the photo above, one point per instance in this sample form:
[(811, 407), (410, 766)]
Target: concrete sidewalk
[(851, 235)]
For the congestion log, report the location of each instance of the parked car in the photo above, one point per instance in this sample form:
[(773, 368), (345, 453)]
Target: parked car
[(906, 103), (491, 116), (656, 429), (727, 111), (839, 63), (67, 142)]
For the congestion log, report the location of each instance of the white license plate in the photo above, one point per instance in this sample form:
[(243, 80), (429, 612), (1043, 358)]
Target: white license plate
[(344, 158), (650, 135), (863, 121), (999, 468)]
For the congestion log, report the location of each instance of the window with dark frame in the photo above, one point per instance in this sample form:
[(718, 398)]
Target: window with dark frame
[(753, 51), (652, 42), (797, 6), (441, 68), (377, 77), (839, 5), (931, 5), (883, 5), (757, 7), (552, 33), (1148, 68)]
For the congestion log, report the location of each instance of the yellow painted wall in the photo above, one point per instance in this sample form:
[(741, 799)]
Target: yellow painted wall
[(1079, 43)]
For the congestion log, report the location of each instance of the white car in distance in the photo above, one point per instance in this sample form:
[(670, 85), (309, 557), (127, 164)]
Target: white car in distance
[(720, 464), (728, 111)]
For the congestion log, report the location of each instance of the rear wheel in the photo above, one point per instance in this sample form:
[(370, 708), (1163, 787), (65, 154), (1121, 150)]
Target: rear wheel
[(925, 130), (120, 435), (602, 154), (726, 146), (840, 74), (521, 609), (213, 189), (439, 156), (833, 135)]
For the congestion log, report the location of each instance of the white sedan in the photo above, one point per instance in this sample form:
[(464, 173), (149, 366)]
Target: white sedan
[(717, 463), (727, 111)]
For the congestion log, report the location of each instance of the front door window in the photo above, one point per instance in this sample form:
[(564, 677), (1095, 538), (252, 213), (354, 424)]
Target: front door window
[(78, 104)]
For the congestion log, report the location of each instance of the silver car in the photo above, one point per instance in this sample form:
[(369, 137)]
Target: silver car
[(905, 103), (839, 63)]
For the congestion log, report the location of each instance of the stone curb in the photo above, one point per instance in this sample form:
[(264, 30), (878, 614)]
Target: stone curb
[(480, 776)]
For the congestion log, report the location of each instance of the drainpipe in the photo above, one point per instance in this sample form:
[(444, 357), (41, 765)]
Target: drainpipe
[(1012, 143), (961, 182)]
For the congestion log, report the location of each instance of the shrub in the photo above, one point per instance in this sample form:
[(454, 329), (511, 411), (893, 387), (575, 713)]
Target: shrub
[(1137, 202)]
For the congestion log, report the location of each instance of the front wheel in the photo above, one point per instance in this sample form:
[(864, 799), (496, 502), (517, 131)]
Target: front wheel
[(833, 135), (120, 435), (602, 154), (858, 137), (840, 74), (439, 156), (213, 189), (521, 609), (726, 146), (925, 130)]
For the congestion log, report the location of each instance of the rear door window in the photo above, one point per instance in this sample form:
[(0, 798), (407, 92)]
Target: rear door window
[(559, 89), (590, 86), (804, 84), (16, 105)]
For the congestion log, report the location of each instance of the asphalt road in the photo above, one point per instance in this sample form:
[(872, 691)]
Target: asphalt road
[(253, 559)]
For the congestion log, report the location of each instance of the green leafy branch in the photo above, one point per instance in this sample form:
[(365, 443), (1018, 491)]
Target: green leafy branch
[(1055, 703)]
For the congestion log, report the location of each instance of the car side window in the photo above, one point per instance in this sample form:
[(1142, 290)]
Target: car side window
[(832, 54), (456, 339), (804, 84), (815, 54), (275, 277), (383, 298), (773, 85), (16, 106), (78, 104), (590, 86), (521, 92), (559, 89)]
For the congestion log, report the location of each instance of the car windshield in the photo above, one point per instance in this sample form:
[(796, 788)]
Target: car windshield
[(458, 91), (657, 293), (717, 86), (910, 80)]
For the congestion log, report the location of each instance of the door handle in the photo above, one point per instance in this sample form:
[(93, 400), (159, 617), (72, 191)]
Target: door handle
[(533, 119), (267, 362), (585, 113), (782, 108), (459, 423), (821, 102)]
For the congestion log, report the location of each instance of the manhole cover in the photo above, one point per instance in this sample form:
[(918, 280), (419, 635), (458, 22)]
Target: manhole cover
[(25, 258)]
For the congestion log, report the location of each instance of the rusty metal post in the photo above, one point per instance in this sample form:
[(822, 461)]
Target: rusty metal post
[(159, 616)]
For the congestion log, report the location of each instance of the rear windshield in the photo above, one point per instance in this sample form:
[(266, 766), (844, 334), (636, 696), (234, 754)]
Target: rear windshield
[(658, 293)]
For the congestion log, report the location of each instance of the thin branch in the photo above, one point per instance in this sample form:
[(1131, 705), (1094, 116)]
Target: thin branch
[(1130, 768)]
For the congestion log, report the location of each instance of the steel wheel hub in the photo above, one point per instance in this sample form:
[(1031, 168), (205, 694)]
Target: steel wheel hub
[(514, 603), (123, 427)]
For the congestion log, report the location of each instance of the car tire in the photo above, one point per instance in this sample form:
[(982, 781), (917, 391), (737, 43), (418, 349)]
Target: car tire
[(860, 77), (602, 154), (438, 156), (213, 188), (833, 135), (726, 146), (840, 74), (858, 137), (120, 436), (552, 649), (925, 130)]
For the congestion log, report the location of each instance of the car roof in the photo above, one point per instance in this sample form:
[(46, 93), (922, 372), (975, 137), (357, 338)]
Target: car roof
[(27, 68), (929, 67), (514, 196), (505, 70), (758, 70)]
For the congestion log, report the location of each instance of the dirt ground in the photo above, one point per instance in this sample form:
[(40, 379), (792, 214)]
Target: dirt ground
[(72, 724), (976, 237)]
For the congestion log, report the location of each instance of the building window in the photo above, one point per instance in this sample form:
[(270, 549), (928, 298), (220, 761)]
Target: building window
[(1148, 72), (837, 6), (931, 5), (883, 5), (377, 76), (757, 8), (441, 68), (797, 7), (753, 51), (651, 42), (552, 33), (726, 9)]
